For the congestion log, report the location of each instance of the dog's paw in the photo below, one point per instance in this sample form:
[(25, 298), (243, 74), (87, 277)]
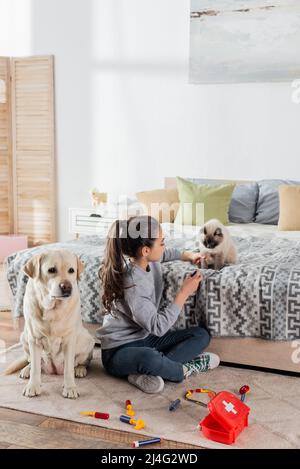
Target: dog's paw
[(80, 371), (25, 373), (32, 390), (70, 392)]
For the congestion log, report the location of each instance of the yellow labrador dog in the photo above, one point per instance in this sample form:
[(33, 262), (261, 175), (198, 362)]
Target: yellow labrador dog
[(54, 338)]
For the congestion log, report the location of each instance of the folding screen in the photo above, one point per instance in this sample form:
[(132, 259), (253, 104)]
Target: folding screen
[(6, 215), (30, 164)]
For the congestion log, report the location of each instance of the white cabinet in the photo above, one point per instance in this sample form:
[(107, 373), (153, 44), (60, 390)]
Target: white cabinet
[(86, 221)]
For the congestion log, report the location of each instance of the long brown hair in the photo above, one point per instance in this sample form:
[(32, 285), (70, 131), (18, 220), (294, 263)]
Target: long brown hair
[(125, 238)]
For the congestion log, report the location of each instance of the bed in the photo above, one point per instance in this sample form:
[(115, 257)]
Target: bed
[(254, 351), (252, 310)]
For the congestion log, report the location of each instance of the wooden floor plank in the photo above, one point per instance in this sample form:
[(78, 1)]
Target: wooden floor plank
[(17, 416), (109, 435), (46, 438)]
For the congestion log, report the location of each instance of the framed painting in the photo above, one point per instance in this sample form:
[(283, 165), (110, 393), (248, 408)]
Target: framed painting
[(240, 41)]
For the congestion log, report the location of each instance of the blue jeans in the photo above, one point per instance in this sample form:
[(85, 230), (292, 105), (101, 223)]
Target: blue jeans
[(158, 356)]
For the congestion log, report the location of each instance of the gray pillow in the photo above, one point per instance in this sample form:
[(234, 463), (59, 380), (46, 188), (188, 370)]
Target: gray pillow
[(243, 203), (267, 209), (243, 200)]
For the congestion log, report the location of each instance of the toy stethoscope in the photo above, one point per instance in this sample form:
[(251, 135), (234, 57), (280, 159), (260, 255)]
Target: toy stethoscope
[(189, 395), (245, 389)]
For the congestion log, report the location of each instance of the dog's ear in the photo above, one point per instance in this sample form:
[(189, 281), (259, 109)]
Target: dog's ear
[(32, 267), (80, 267)]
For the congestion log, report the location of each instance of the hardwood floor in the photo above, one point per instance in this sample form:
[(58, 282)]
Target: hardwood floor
[(26, 430)]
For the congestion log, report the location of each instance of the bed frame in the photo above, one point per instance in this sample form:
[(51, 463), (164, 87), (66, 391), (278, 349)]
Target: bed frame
[(248, 351)]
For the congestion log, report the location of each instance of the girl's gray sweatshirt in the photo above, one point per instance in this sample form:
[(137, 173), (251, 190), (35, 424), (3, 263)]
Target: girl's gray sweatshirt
[(138, 315)]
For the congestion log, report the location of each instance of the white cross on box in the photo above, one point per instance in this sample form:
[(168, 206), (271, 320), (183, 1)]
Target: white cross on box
[(229, 407)]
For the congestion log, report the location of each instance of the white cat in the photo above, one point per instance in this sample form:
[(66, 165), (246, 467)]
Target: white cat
[(216, 245)]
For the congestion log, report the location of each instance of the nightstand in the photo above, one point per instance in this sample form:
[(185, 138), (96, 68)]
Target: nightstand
[(88, 221)]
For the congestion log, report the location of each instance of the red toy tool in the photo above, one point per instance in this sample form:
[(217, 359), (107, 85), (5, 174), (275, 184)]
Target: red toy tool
[(96, 415), (243, 391), (227, 417)]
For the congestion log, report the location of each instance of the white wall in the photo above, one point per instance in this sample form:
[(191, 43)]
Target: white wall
[(126, 115)]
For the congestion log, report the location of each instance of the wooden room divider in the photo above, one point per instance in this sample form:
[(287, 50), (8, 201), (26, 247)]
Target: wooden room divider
[(6, 213), (27, 148)]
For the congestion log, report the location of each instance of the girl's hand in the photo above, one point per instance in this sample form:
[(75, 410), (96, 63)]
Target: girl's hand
[(188, 287), (190, 284), (193, 257)]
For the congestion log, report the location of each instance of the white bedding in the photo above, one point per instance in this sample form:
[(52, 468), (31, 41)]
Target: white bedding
[(242, 230), (257, 297)]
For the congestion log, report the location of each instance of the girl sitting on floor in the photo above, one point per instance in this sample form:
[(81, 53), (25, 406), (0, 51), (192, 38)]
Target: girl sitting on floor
[(135, 338)]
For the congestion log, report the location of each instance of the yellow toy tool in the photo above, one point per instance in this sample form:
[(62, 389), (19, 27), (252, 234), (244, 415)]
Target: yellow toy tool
[(138, 424), (129, 408)]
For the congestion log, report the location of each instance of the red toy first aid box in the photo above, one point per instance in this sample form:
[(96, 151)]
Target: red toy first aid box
[(227, 417)]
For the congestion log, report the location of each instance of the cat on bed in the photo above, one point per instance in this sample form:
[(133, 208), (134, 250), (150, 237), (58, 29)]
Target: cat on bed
[(216, 245)]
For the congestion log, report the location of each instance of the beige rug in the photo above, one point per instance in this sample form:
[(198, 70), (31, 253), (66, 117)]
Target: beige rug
[(274, 402)]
